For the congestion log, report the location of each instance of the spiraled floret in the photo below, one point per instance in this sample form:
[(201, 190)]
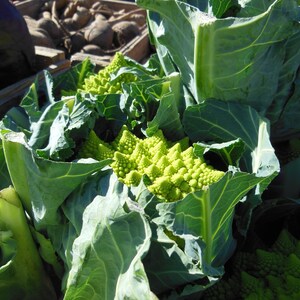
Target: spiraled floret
[(122, 164), (262, 274), (132, 178), (173, 173), (125, 142), (285, 244), (95, 148), (100, 83)]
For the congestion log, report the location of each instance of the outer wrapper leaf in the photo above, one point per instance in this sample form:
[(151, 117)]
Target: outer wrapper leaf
[(107, 254), (220, 121), (252, 59), (42, 184), (204, 220)]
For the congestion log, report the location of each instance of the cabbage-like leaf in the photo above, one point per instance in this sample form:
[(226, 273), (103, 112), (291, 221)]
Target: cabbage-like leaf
[(204, 219), (250, 59), (221, 121), (107, 254), (42, 184)]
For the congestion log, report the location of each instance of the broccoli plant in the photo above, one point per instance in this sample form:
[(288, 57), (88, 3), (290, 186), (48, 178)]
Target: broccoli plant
[(22, 274), (272, 273), (172, 169)]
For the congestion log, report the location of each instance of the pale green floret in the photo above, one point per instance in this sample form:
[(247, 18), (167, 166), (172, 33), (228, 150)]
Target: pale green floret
[(144, 163), (153, 140), (169, 170), (95, 148), (161, 186), (285, 244), (125, 142), (174, 194), (268, 263), (177, 179), (159, 151), (250, 284), (122, 164), (139, 152), (133, 178), (174, 152), (153, 172), (188, 153), (178, 164), (163, 163), (292, 284), (292, 265), (100, 83)]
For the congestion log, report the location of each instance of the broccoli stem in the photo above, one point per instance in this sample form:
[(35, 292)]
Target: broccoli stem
[(26, 275)]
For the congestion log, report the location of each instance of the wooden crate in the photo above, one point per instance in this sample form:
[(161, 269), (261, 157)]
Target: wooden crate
[(139, 48)]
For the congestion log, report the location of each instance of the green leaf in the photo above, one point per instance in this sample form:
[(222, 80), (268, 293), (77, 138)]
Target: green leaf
[(4, 175), (167, 119), (42, 184), (175, 267), (204, 219), (220, 121), (73, 79), (263, 48), (230, 152), (107, 254)]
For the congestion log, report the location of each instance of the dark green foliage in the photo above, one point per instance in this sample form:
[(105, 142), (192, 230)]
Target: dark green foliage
[(265, 274)]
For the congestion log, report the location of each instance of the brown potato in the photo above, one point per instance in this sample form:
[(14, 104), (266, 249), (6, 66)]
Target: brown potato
[(125, 31), (69, 24), (51, 27), (77, 42), (81, 17), (69, 10), (100, 33), (92, 49), (40, 37)]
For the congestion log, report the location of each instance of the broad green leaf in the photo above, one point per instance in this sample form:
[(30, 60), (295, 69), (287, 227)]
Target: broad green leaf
[(256, 52), (73, 79), (229, 152), (250, 8), (42, 184), (4, 175), (107, 254), (220, 121), (220, 7), (167, 119), (205, 48), (176, 23), (175, 267), (204, 219), (40, 129)]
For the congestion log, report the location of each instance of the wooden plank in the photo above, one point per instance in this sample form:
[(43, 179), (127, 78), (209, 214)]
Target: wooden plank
[(139, 48), (119, 5), (99, 61), (13, 94), (29, 8), (47, 56)]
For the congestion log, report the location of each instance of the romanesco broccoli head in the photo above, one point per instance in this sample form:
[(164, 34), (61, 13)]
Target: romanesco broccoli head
[(272, 273), (100, 83), (173, 169)]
